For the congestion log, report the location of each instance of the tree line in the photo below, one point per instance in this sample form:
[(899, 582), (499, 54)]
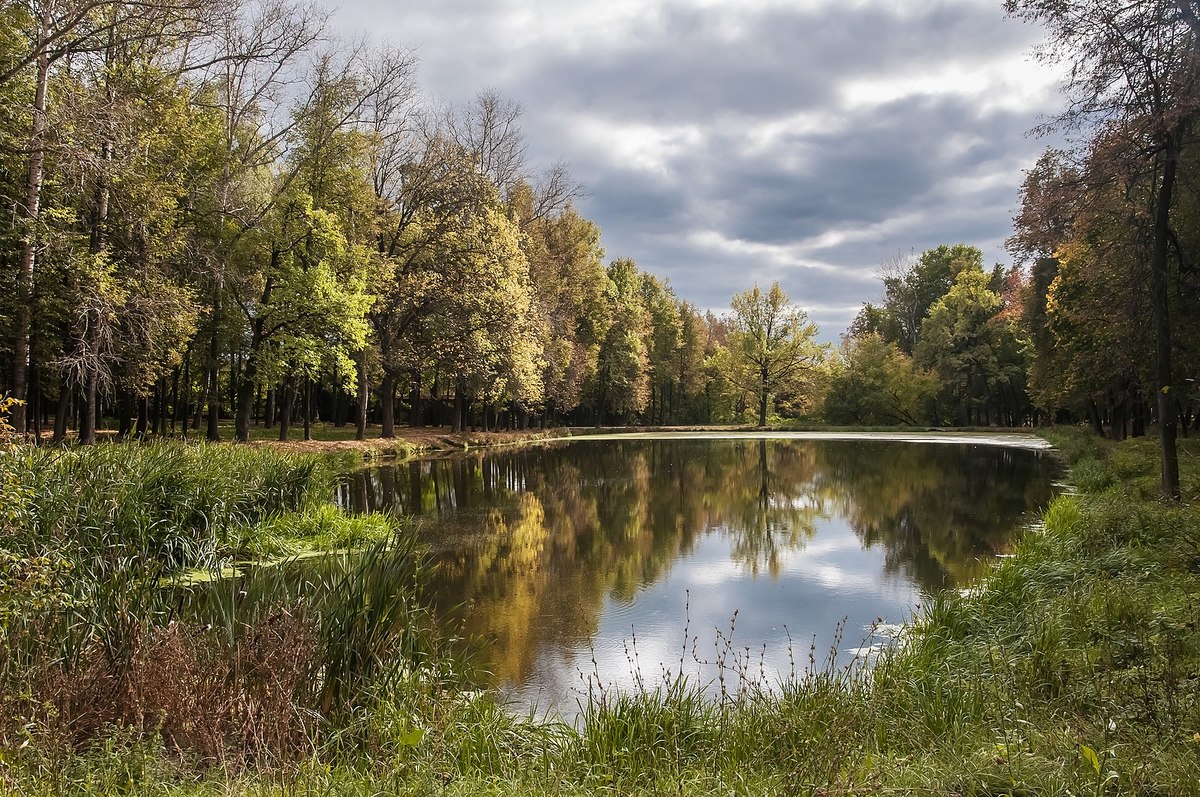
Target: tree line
[(220, 214), (1099, 321), (1109, 228), (945, 346)]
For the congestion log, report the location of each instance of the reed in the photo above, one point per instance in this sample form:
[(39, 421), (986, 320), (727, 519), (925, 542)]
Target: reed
[(175, 503), (100, 637)]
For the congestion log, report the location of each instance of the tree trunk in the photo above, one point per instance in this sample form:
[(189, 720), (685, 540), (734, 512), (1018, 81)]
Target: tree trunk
[(214, 375), (339, 417), (308, 417), (235, 373), (174, 398), (285, 415), (248, 383), (87, 428), (387, 406), (37, 401), (143, 420), (245, 402), (182, 410), (1094, 417), (29, 220), (198, 415), (159, 427), (1117, 419), (64, 409), (416, 415), (155, 408), (124, 415), (360, 431), (96, 243), (763, 394), (457, 417), (1160, 310)]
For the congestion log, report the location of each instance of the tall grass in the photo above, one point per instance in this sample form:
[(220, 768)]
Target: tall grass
[(98, 640), (173, 504), (1069, 669)]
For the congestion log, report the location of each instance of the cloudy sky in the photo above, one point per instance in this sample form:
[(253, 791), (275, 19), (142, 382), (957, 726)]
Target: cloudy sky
[(725, 142)]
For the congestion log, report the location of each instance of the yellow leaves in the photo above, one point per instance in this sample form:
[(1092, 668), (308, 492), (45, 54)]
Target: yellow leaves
[(1053, 302), (472, 286), (771, 347), (315, 313), (7, 403)]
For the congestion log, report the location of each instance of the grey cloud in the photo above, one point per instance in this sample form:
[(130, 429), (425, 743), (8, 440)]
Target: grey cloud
[(693, 68), (882, 169), (850, 169)]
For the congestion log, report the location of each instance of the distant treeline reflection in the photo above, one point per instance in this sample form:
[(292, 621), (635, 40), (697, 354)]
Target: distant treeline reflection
[(532, 541)]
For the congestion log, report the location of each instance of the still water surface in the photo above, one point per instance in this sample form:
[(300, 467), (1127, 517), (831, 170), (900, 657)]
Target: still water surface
[(605, 561)]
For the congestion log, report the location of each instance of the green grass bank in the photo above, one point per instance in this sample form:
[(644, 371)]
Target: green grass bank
[(1071, 669)]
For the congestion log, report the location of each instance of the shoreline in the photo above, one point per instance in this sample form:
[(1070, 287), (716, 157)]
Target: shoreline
[(429, 440)]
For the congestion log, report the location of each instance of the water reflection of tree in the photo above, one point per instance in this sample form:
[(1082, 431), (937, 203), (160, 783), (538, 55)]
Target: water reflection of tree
[(533, 541), (773, 501), (939, 511)]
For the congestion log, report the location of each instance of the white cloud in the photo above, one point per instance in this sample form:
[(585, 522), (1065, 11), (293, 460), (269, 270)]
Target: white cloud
[(1010, 82), (722, 143), (774, 257), (636, 146)]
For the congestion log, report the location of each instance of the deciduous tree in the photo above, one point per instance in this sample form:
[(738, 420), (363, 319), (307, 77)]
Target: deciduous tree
[(770, 342), (1135, 73)]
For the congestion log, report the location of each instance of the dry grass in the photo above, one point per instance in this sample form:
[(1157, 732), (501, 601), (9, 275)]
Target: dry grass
[(210, 701)]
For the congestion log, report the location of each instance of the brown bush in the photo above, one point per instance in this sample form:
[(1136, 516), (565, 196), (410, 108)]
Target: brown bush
[(210, 700)]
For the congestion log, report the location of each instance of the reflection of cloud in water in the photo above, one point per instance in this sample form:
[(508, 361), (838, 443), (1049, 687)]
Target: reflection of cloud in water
[(710, 573), (825, 545), (835, 562), (688, 619), (836, 578), (817, 560), (554, 554)]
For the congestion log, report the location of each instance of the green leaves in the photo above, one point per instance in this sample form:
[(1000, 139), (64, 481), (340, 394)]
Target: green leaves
[(976, 354), (771, 346), (624, 388), (877, 384)]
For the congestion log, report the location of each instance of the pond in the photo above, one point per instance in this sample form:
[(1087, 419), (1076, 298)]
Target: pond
[(609, 562)]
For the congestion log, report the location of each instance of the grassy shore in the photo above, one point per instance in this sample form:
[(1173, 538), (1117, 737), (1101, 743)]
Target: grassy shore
[(326, 438), (1071, 669)]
